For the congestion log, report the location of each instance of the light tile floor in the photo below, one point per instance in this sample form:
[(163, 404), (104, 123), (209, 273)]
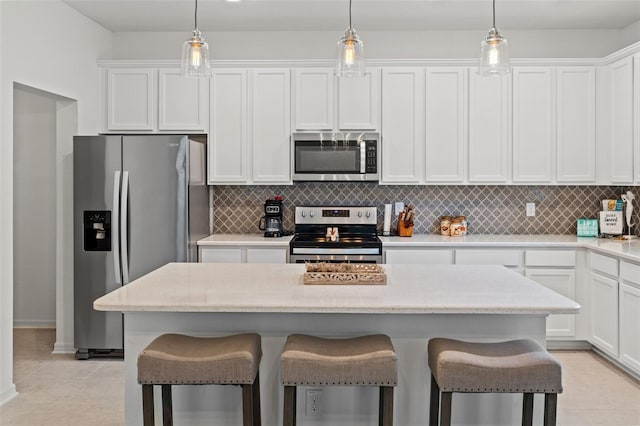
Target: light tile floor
[(57, 390)]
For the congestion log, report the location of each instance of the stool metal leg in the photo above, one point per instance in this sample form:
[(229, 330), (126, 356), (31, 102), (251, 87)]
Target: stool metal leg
[(527, 409), (385, 414), (257, 421), (167, 409), (289, 411), (550, 406), (445, 411), (147, 405), (434, 405), (247, 404)]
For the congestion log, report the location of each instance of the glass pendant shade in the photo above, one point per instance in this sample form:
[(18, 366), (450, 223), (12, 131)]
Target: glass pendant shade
[(350, 60), (195, 57), (494, 56)]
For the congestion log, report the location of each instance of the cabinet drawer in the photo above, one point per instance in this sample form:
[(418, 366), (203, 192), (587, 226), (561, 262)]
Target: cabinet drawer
[(426, 257), (605, 264), (489, 257), (255, 255), (550, 258), (210, 255), (630, 272)]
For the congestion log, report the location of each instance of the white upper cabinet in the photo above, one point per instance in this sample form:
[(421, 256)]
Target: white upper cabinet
[(227, 141), (270, 125), (154, 100), (446, 124), (250, 126), (533, 124), (359, 101), (621, 144), (576, 124), (325, 102), (314, 99), (130, 99), (402, 125), (636, 114), (488, 128), (183, 103)]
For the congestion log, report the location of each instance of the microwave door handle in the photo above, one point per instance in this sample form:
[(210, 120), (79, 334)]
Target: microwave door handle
[(116, 223), (363, 156)]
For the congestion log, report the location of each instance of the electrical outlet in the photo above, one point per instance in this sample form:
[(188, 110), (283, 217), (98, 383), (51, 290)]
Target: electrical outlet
[(531, 209), (399, 207), (313, 403)]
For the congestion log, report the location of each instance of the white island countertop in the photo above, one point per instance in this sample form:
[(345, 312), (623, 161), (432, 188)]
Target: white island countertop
[(410, 289)]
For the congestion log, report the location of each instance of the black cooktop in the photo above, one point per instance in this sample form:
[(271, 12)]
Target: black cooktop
[(348, 240)]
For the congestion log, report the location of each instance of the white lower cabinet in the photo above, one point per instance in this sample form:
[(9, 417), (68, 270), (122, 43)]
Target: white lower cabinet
[(604, 313), (561, 281), (243, 255), (629, 315), (419, 256)]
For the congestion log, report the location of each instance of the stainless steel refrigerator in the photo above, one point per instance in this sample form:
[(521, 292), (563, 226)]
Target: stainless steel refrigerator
[(140, 201)]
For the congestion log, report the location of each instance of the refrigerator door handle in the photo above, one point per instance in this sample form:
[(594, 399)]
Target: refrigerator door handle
[(124, 231), (116, 224)]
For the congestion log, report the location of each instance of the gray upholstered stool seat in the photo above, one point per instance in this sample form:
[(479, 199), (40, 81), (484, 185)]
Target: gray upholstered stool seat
[(517, 366), (359, 361), (177, 359)]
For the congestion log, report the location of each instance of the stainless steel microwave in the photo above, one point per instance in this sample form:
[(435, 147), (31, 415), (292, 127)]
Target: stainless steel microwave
[(341, 156)]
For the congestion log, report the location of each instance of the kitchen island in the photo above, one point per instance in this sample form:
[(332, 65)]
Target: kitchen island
[(484, 303)]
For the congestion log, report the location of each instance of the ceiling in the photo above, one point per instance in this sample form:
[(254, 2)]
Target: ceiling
[(319, 15)]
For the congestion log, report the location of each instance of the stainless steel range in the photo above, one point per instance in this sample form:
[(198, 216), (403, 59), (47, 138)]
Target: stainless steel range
[(335, 234)]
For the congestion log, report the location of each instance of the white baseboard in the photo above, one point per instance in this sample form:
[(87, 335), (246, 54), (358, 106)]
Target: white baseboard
[(571, 345), (8, 395), (33, 324), (63, 348)]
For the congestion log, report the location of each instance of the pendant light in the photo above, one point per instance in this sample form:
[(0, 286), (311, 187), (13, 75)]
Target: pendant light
[(494, 56), (350, 60), (195, 54)]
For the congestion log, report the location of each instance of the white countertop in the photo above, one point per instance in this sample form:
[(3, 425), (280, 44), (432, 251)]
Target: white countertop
[(446, 289), (625, 249), (244, 240)]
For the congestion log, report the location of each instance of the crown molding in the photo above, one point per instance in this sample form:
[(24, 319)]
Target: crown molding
[(305, 63)]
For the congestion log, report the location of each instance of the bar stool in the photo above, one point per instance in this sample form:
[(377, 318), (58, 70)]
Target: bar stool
[(176, 359), (360, 361), (516, 366)]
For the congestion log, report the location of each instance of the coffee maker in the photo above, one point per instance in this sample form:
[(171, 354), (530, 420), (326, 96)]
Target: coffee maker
[(271, 222)]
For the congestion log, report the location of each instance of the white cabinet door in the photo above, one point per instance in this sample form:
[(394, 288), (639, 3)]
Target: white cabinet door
[(402, 125), (561, 281), (270, 125), (488, 128), (636, 113), (604, 313), (576, 124), (622, 120), (314, 100), (533, 123), (220, 255), (446, 124), (182, 102), (630, 326), (228, 135), (419, 256), (130, 99), (269, 255), (359, 102)]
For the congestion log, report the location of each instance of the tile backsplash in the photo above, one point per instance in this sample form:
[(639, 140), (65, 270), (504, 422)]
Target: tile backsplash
[(489, 209)]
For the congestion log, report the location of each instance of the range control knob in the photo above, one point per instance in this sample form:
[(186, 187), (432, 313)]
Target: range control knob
[(359, 214), (303, 214), (312, 213), (368, 214)]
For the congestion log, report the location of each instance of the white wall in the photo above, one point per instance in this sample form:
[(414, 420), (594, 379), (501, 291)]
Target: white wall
[(49, 46), (378, 44), (34, 208)]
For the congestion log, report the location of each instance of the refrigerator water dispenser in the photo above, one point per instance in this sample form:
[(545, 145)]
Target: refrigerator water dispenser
[(97, 230)]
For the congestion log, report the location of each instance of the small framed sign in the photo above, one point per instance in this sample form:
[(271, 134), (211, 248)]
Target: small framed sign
[(587, 227)]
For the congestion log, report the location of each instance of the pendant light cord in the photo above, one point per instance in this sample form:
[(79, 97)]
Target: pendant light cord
[(350, 13), (494, 13), (195, 17)]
